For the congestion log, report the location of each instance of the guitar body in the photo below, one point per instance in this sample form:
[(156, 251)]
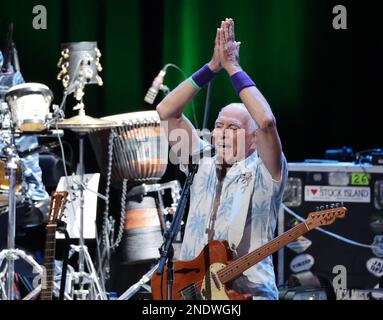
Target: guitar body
[(197, 279), (206, 277)]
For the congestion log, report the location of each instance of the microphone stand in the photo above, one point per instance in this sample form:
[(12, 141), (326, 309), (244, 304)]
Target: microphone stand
[(207, 106), (167, 250)]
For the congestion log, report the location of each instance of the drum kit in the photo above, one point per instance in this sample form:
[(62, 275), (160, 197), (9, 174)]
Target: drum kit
[(129, 148)]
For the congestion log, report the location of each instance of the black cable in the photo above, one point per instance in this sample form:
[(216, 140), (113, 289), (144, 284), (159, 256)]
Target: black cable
[(192, 101), (360, 158), (64, 268), (207, 106)]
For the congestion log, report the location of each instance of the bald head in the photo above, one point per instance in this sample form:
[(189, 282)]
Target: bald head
[(239, 112)]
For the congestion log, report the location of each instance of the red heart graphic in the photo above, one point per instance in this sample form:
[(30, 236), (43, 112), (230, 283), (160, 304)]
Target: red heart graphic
[(314, 191)]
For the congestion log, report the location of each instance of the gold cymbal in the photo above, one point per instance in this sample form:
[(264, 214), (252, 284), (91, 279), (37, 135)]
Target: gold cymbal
[(84, 123)]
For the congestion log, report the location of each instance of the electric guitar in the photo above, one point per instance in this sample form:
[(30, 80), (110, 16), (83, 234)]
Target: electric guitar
[(208, 276), (58, 200)]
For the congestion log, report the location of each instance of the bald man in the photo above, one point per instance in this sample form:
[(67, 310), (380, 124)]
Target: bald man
[(236, 194)]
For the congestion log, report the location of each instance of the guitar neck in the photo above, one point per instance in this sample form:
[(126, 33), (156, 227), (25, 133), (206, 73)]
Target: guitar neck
[(49, 262), (236, 268)]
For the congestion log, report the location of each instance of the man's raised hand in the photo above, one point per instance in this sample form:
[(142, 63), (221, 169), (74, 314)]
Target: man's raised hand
[(215, 62), (228, 47)]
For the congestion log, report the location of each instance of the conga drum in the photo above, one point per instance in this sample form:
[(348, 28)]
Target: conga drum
[(140, 148), (140, 155), (142, 233)]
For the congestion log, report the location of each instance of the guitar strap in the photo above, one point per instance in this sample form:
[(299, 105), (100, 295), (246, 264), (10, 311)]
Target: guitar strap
[(241, 200), (213, 215)]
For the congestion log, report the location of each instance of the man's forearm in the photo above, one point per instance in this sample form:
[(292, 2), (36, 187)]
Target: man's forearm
[(258, 107), (254, 101), (175, 102)]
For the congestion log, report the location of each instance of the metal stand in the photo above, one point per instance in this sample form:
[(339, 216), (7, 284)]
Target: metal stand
[(56, 289), (94, 291), (141, 283), (81, 277), (167, 250), (11, 253)]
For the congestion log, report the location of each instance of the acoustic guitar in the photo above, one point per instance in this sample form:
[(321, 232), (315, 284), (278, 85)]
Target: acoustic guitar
[(58, 200), (208, 276)]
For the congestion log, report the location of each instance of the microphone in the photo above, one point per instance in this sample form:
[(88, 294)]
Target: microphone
[(52, 133), (42, 148), (156, 86)]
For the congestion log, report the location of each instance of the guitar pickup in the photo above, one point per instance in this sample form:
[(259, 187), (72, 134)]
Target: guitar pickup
[(215, 279)]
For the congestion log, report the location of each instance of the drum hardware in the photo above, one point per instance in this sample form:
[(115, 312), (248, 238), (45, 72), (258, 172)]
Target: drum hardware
[(81, 277), (107, 244), (62, 279), (79, 65), (11, 253), (18, 254), (141, 283), (14, 123)]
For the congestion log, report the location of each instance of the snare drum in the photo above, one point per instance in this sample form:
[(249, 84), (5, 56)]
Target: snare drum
[(29, 106)]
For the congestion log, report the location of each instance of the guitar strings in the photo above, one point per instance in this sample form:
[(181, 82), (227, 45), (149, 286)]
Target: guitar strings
[(296, 233), (247, 259)]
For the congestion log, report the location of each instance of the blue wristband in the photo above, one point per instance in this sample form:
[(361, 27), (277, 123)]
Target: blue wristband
[(241, 80), (202, 77)]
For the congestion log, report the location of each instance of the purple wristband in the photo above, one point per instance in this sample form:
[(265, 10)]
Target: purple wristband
[(241, 80), (203, 76)]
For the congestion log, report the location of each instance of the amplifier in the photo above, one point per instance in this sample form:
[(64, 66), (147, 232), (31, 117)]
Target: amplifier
[(345, 265)]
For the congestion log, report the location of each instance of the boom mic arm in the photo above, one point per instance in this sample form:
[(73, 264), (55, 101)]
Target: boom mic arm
[(7, 49)]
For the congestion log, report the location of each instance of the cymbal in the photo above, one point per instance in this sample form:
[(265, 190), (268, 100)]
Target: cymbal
[(84, 123)]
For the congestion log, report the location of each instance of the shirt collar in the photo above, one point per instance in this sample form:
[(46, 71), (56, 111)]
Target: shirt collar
[(243, 166)]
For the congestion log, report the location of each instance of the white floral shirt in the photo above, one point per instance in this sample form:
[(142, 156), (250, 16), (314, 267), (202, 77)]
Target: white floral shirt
[(246, 217)]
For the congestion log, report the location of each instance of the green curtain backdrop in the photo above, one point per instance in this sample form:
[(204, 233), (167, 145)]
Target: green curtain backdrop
[(312, 75), (272, 37), (271, 33)]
